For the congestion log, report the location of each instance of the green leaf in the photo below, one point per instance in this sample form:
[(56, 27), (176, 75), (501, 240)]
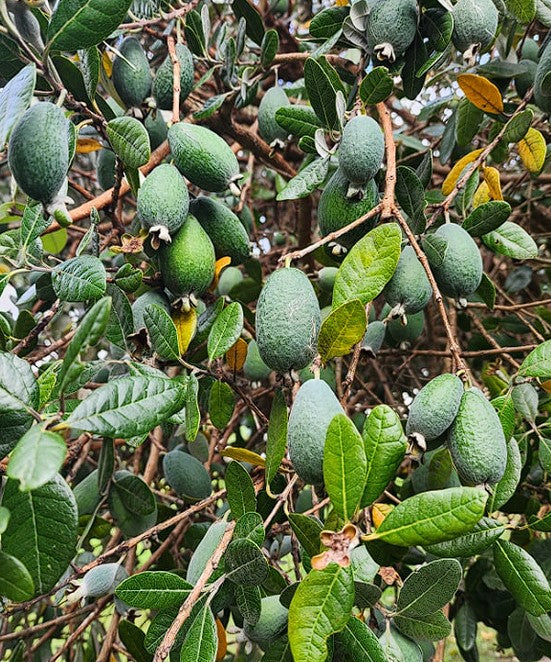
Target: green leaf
[(251, 526), (162, 332), (487, 291), (328, 22), (241, 494), (129, 140), (368, 266), (18, 387), (201, 642), (129, 278), (507, 485), (121, 322), (436, 248), (221, 404), (512, 241), (15, 98), (536, 364), (469, 118), (205, 549), (476, 541), (487, 217), (465, 626), (90, 65), (211, 105), (307, 530), (4, 519), (37, 458), (133, 639), (78, 24), (524, 10), (128, 406), (431, 627), (33, 224), (121, 504), (385, 447), (192, 413), (433, 516), (225, 331), (341, 330), (255, 27), (344, 466), (377, 86), (269, 47), (42, 531), (277, 436), (399, 648), (134, 493), (321, 606), (306, 181), (79, 279), (523, 577), (517, 127), (245, 563), (544, 453), (411, 197), (412, 78), (16, 583), (438, 27), (298, 120), (322, 83), (249, 602), (429, 588), (360, 642), (153, 590)]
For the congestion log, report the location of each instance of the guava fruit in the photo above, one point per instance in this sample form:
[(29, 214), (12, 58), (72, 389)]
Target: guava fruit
[(274, 99), (229, 278), (391, 27), (475, 24), (525, 80), (435, 407), (147, 299), (105, 169), (326, 278), (187, 476), (409, 287), (542, 81), (156, 128), (254, 367), (164, 78), (131, 74), (361, 150), (272, 622)]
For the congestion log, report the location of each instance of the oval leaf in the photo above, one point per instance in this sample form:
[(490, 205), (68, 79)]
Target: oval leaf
[(341, 330)]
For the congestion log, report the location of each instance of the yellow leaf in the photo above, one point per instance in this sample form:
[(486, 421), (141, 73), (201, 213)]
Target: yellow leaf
[(222, 641), (455, 172), (341, 3), (532, 150), (87, 145), (236, 355), (379, 512), (185, 322), (546, 386), (491, 177), (481, 195), (220, 264), (107, 64), (481, 93), (244, 455)]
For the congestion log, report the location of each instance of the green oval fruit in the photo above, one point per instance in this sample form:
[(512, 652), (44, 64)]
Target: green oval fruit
[(336, 210), (156, 128), (229, 278), (272, 622), (409, 286), (326, 278), (102, 580), (131, 74), (475, 24), (147, 299), (391, 27), (530, 50), (274, 99), (314, 408), (435, 407), (28, 26), (203, 156), (38, 151), (374, 337), (224, 228), (187, 263), (163, 203), (105, 169), (361, 150), (476, 441), (164, 78), (254, 367), (288, 319), (87, 494), (327, 374), (524, 81), (407, 333), (186, 476), (460, 272), (542, 81)]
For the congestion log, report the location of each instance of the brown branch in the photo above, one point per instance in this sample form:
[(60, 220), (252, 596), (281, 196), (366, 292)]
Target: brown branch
[(35, 332), (175, 80)]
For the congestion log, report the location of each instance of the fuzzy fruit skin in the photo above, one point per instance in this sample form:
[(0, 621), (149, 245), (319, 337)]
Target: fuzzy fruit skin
[(272, 621), (147, 299), (187, 476), (288, 319), (187, 263), (164, 78), (105, 169), (335, 210), (224, 228), (229, 278), (460, 273), (326, 278), (163, 199), (314, 408), (524, 81), (133, 83), (156, 129), (408, 333), (254, 367), (530, 50), (274, 99), (392, 22), (542, 92), (475, 22), (435, 407), (38, 151), (203, 156), (361, 150), (409, 285), (476, 441)]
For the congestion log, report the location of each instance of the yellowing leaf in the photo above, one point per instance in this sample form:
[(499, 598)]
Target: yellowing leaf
[(220, 264), (546, 386), (341, 3), (481, 93), (236, 355), (244, 455), (86, 145), (107, 64), (222, 641), (379, 512), (185, 323), (481, 195), (532, 150), (455, 172), (491, 177)]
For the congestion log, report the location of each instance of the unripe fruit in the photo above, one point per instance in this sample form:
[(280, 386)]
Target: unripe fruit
[(187, 263), (361, 150), (530, 50), (147, 299), (164, 78), (476, 441), (460, 272), (156, 128), (391, 27), (409, 286), (336, 210), (407, 333), (38, 151), (326, 278), (131, 74), (163, 203), (87, 494), (288, 319), (475, 24), (272, 622), (374, 337), (314, 408), (28, 26), (187, 476), (274, 99), (229, 278), (542, 81), (254, 367), (435, 407), (105, 169), (224, 228), (203, 157), (524, 81)]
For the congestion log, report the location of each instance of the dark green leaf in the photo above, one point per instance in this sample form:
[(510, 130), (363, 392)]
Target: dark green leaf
[(376, 86), (269, 47), (16, 583), (248, 599), (133, 639), (79, 279), (306, 181), (298, 120), (438, 27), (307, 530), (221, 404), (241, 494), (416, 56), (524, 10), (411, 197), (134, 493), (487, 217), (482, 536), (469, 118), (255, 28), (536, 364), (341, 330), (322, 91), (487, 291), (90, 67), (277, 436), (328, 22), (430, 627), (429, 588), (225, 331), (153, 590), (33, 224), (244, 563), (162, 332), (360, 642), (129, 140), (201, 641), (517, 127)]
